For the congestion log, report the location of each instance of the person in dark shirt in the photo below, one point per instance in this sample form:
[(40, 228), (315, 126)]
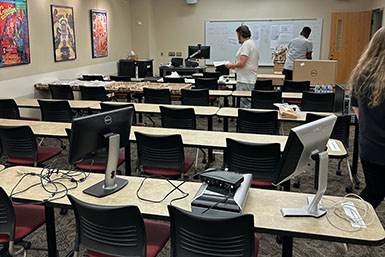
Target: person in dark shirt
[(367, 83)]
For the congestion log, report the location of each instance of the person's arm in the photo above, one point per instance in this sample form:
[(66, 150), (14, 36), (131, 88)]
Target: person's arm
[(309, 56), (356, 111), (240, 64)]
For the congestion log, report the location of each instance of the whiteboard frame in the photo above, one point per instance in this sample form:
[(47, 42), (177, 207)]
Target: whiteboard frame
[(320, 20)]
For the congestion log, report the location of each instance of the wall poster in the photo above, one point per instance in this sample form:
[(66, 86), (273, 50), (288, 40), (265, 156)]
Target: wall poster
[(63, 30), (99, 33), (14, 37)]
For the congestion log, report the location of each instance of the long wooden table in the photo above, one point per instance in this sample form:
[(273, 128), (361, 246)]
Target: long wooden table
[(229, 112), (267, 216), (286, 95)]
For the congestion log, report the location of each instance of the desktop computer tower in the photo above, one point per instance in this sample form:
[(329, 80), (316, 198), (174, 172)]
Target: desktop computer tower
[(135, 68)]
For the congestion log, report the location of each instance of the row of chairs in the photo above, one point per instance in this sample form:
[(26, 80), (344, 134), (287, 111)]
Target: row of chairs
[(122, 231)]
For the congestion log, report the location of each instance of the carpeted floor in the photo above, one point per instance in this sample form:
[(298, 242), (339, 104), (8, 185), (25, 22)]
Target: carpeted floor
[(65, 225)]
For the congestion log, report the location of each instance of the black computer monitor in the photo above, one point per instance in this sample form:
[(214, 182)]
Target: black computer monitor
[(110, 130), (198, 52), (305, 146)]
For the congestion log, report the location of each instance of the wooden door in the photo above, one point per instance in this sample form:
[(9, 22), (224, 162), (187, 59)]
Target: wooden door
[(349, 34)]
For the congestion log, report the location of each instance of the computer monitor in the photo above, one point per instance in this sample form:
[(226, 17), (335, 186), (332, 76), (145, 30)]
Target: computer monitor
[(110, 130), (306, 145), (198, 52)]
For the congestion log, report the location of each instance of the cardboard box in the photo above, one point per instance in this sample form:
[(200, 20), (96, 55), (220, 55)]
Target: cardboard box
[(316, 71), (278, 67)]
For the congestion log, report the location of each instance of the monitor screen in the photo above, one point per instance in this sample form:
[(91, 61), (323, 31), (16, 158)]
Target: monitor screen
[(88, 134), (203, 54), (300, 146)]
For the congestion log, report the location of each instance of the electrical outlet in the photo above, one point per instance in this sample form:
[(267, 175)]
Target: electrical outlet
[(161, 53), (171, 53), (178, 54)]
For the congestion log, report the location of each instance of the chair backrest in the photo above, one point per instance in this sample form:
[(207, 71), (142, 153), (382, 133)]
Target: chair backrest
[(120, 78), (341, 130), (157, 95), (317, 102), (209, 83), (9, 109), (264, 84), (7, 216), (93, 93), (211, 74), (93, 77), (258, 159), (295, 86), (265, 99), (110, 230), (257, 122), (18, 141), (160, 151), (173, 80), (58, 111), (182, 118), (61, 92), (199, 97), (110, 107), (194, 235)]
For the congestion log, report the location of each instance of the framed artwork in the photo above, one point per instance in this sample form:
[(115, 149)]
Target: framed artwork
[(14, 35), (99, 34), (63, 31)]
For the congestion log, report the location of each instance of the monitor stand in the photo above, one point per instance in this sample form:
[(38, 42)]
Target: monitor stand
[(313, 209), (111, 183)]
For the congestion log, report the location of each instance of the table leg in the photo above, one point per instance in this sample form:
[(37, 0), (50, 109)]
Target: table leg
[(51, 231), (127, 153), (287, 246), (210, 123), (355, 156), (226, 101), (238, 102), (225, 124)]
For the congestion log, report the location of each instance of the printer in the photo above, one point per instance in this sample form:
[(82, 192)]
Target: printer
[(219, 196)]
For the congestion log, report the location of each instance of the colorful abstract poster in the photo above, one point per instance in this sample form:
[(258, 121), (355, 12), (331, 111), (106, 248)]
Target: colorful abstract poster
[(99, 33), (14, 38), (63, 30)]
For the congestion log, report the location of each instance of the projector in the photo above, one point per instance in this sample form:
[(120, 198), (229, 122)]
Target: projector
[(224, 179)]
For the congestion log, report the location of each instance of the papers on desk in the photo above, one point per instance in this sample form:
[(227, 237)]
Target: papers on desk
[(332, 145), (288, 110), (174, 74), (189, 81), (97, 83), (216, 64), (353, 215)]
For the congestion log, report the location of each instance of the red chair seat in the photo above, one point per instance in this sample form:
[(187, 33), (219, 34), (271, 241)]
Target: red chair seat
[(29, 118), (44, 153), (176, 96), (86, 165), (188, 163), (28, 218), (157, 235), (256, 238), (293, 101)]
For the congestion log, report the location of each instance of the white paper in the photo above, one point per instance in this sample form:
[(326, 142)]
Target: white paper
[(355, 217), (286, 28), (332, 144), (219, 63)]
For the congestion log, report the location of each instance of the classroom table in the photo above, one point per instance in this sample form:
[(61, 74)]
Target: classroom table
[(267, 216), (286, 95), (74, 104), (277, 79), (190, 138), (229, 112)]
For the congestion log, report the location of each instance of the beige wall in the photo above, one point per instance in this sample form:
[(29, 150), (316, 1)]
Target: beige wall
[(41, 43), (176, 25)]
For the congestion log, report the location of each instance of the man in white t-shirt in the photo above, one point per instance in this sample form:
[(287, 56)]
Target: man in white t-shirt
[(299, 48), (246, 64)]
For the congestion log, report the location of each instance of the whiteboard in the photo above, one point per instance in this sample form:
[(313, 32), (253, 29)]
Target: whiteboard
[(220, 35)]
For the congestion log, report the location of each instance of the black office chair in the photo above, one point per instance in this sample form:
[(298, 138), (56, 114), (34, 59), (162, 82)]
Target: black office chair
[(264, 99), (18, 143), (173, 80), (9, 109), (195, 235), (208, 83), (93, 77), (116, 231), (259, 159), (17, 222), (211, 74), (56, 111), (317, 102), (120, 78), (94, 93), (264, 84), (295, 86), (162, 155), (257, 122), (61, 92), (195, 97), (181, 118), (340, 132), (157, 95)]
